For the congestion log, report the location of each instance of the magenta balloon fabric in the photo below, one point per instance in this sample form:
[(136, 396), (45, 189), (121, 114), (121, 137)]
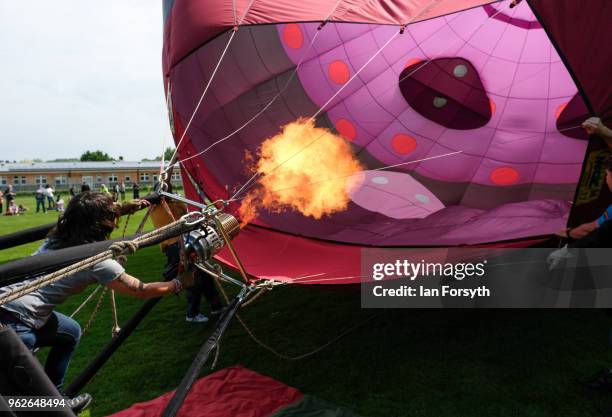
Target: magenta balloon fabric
[(582, 31), (475, 111), (189, 23)]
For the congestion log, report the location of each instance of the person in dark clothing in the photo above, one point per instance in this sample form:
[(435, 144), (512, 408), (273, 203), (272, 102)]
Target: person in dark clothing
[(597, 234), (85, 187), (115, 192), (40, 199), (136, 190), (203, 284), (72, 191), (9, 195)]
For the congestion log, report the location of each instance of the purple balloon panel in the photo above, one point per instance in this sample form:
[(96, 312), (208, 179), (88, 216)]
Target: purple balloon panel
[(466, 123), (488, 68)]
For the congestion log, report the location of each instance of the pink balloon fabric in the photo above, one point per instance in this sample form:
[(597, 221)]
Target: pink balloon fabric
[(473, 111)]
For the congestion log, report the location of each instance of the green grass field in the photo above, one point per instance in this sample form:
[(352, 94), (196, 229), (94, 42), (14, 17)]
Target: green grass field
[(422, 363)]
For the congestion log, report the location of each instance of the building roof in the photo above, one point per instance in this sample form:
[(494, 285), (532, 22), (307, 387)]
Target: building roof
[(78, 166)]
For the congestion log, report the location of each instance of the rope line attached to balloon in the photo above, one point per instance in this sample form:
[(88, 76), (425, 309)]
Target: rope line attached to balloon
[(357, 174), (300, 63), (272, 101), (116, 328), (313, 117), (250, 182), (229, 42)]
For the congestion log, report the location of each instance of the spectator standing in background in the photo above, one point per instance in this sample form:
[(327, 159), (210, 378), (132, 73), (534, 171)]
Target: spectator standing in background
[(72, 191), (115, 192), (1, 200), (122, 190), (136, 190), (9, 195), (85, 187), (40, 199), (49, 192)]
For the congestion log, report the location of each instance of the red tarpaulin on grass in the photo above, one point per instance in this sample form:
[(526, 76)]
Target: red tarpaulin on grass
[(234, 391)]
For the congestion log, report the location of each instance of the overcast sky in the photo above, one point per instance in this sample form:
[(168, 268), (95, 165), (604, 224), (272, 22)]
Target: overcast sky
[(79, 75)]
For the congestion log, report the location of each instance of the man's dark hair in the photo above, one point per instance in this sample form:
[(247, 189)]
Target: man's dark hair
[(609, 163), (89, 217)]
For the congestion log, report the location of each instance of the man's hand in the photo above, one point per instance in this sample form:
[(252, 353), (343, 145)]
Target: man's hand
[(132, 206), (593, 126), (557, 257)]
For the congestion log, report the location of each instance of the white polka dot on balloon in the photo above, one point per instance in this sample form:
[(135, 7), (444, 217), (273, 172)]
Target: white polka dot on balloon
[(439, 102), (460, 71), (422, 198), (380, 180)]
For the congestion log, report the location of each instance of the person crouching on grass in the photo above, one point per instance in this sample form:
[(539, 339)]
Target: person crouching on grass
[(89, 217)]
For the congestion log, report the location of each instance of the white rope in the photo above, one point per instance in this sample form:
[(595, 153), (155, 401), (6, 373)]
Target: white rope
[(313, 117), (314, 281), (170, 117), (331, 99), (95, 311), (307, 354), (272, 101), (84, 303), (274, 351), (204, 92), (443, 50), (229, 42), (116, 329), (357, 173), (429, 60)]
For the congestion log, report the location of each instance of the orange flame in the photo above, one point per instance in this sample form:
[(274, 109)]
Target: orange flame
[(305, 168)]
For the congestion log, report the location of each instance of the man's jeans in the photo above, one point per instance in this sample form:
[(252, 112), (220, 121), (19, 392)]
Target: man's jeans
[(39, 204), (61, 333), (203, 284)]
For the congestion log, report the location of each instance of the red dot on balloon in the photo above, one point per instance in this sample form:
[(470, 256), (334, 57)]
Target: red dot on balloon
[(339, 72), (293, 36), (346, 129), (403, 144), (560, 109), (504, 176), (412, 61), (493, 106)]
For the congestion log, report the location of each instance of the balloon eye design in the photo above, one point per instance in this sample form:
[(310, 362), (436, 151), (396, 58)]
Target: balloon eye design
[(447, 91)]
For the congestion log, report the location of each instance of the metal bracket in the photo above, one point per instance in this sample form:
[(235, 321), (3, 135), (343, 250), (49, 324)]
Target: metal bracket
[(210, 270), (183, 200)]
